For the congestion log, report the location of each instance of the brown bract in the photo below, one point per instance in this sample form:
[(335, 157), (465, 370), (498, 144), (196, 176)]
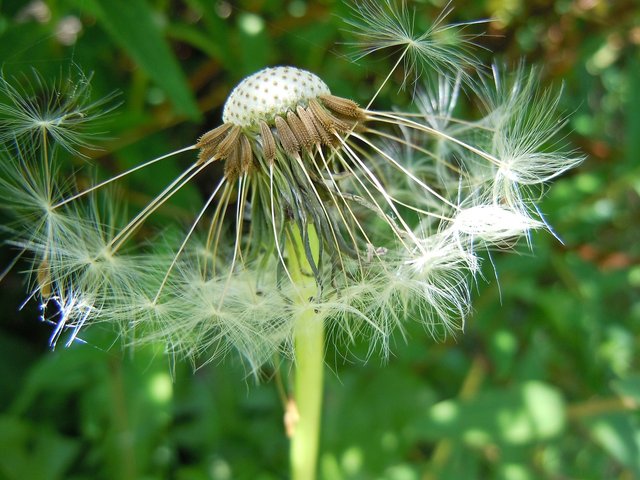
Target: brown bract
[(319, 123)]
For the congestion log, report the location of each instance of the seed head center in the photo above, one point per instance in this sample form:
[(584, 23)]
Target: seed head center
[(269, 93)]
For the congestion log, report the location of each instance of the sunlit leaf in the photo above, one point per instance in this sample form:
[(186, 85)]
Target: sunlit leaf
[(132, 24)]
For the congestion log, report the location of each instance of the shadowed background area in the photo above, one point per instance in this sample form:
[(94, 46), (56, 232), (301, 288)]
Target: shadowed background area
[(542, 384)]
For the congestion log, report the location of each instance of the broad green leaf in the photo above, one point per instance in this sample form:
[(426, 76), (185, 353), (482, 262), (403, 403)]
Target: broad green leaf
[(29, 451), (191, 35), (218, 31), (629, 387), (131, 24), (255, 44), (618, 435), (528, 413)]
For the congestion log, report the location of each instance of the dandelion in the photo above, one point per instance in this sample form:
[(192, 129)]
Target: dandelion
[(329, 216), (349, 194)]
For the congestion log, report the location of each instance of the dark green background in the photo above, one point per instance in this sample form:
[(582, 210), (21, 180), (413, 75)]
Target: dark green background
[(542, 384)]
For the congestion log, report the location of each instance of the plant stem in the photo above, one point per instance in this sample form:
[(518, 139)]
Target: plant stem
[(123, 453), (309, 360)]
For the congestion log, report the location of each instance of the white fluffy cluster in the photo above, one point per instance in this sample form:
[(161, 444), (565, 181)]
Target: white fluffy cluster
[(391, 209)]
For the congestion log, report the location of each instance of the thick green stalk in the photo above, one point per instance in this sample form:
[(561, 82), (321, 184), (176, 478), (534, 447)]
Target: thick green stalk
[(309, 357)]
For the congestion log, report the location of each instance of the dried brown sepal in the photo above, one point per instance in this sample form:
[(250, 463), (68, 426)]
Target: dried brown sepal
[(245, 155), (309, 125), (288, 140), (209, 142), (299, 130), (206, 154), (343, 106), (327, 138), (230, 143), (214, 137), (232, 164), (328, 121), (268, 142)]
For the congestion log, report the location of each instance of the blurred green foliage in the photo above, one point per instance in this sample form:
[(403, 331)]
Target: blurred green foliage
[(544, 382)]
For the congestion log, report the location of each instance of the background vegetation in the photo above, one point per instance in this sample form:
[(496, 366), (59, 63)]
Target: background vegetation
[(542, 384)]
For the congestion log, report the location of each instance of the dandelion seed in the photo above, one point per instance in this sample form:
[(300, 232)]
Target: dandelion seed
[(61, 114), (493, 224), (390, 24), (524, 123)]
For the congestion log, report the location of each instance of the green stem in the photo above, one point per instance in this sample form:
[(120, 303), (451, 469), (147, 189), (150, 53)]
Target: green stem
[(309, 358), (123, 453)]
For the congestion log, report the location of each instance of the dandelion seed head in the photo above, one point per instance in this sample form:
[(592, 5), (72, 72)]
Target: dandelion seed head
[(276, 112), (270, 92), (366, 218)]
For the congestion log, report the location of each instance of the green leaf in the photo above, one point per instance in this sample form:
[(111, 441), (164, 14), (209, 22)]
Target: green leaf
[(629, 387), (29, 451), (618, 435), (221, 36), (191, 35), (530, 412), (131, 24), (255, 44), (633, 115)]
